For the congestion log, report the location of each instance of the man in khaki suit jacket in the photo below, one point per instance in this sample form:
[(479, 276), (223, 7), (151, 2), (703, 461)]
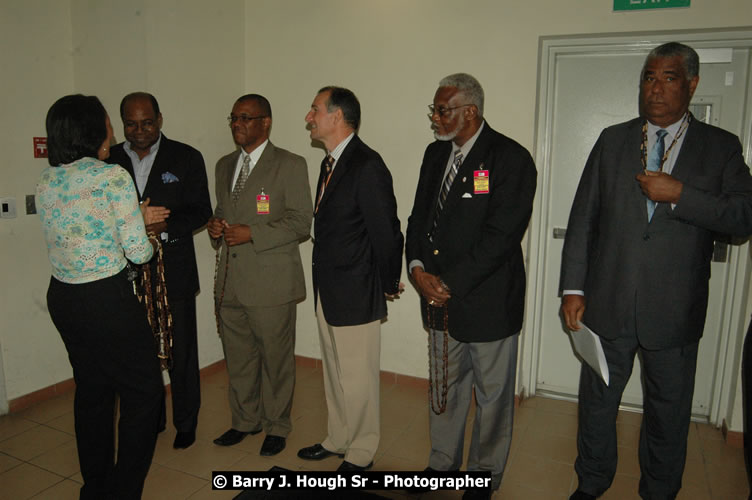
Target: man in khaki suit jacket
[(263, 211)]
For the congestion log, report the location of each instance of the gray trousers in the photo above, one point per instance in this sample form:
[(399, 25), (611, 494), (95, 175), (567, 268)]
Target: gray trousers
[(490, 368)]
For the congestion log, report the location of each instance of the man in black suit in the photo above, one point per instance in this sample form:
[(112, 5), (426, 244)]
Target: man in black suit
[(172, 176), (357, 261), (636, 265), (472, 207)]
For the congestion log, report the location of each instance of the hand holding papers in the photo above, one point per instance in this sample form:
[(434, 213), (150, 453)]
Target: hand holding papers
[(588, 346)]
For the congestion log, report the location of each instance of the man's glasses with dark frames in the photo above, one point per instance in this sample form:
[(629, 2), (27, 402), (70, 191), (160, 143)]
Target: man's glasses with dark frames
[(243, 118), (442, 111)]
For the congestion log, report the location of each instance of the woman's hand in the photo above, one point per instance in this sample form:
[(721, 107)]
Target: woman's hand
[(153, 215)]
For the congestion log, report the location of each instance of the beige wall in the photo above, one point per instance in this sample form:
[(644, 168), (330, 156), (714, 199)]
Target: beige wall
[(36, 61), (197, 56), (189, 54)]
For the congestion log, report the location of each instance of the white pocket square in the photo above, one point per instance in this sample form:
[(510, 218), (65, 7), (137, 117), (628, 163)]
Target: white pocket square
[(467, 195)]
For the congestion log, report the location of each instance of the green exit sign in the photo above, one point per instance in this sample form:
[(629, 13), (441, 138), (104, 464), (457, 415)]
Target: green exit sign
[(648, 4)]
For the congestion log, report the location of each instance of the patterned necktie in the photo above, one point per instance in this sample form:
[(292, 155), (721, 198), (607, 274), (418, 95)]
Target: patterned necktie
[(326, 168), (655, 160), (447, 186), (245, 171)]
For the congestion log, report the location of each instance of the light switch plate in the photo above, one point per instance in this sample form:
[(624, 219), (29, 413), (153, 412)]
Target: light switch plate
[(7, 208)]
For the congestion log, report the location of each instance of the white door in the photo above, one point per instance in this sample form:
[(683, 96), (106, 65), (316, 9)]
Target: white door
[(588, 90)]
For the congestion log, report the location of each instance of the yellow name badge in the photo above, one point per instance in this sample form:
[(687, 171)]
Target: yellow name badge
[(262, 204), (480, 181)]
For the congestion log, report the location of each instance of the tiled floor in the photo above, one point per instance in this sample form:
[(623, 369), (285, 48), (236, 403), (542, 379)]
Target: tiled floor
[(38, 451)]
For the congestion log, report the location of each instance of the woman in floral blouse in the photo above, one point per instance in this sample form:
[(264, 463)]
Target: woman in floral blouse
[(93, 224)]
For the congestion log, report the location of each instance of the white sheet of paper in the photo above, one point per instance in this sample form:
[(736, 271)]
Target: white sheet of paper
[(588, 345)]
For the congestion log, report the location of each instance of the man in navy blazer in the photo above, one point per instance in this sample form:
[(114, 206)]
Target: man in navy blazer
[(640, 281), (472, 207), (357, 261), (172, 176)]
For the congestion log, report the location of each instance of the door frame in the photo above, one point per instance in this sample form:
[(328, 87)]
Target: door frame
[(734, 308), (3, 394)]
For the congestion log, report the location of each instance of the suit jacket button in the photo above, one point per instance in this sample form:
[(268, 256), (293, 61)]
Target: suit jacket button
[(436, 252), (646, 236)]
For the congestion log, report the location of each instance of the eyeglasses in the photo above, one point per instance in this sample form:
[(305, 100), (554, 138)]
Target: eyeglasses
[(244, 118), (442, 111)]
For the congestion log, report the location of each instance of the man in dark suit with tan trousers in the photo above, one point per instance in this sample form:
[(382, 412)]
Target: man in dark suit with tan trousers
[(263, 212), (472, 207), (172, 176), (636, 266), (357, 260)]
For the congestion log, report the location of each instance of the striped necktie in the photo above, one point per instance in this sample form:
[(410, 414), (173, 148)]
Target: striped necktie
[(245, 171), (447, 186), (326, 169)]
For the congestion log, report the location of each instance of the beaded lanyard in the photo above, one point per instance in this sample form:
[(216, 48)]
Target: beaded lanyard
[(154, 298), (436, 398), (644, 145), (218, 298)]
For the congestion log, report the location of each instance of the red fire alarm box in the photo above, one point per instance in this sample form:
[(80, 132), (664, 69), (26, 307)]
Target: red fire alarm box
[(40, 147)]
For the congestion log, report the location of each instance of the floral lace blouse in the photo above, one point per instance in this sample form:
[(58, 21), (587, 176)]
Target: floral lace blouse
[(91, 220)]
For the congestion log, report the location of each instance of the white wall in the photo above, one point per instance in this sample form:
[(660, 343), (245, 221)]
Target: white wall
[(392, 54), (190, 55), (198, 56), (36, 62)]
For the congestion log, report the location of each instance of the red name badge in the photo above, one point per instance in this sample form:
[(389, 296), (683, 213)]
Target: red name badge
[(262, 204), (480, 181)]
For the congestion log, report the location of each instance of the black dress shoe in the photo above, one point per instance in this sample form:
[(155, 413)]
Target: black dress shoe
[(477, 494), (346, 466), (272, 445), (184, 439), (232, 437), (422, 489), (317, 452), (581, 495)]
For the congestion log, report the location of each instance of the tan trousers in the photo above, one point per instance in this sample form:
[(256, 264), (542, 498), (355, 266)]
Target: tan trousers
[(351, 361), (259, 347)]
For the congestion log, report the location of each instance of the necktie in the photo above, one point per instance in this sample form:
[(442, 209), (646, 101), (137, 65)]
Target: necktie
[(448, 180), (245, 170), (326, 168), (655, 160)]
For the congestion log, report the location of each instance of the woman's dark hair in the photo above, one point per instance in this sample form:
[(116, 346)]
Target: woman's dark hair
[(76, 127)]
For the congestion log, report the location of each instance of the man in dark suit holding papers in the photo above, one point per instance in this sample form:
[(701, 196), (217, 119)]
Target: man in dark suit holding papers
[(636, 265)]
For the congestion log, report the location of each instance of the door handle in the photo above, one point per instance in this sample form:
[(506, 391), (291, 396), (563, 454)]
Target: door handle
[(560, 233)]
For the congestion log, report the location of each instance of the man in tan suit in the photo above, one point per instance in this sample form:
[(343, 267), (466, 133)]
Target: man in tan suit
[(263, 211)]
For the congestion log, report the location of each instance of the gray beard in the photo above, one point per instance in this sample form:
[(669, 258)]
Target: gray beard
[(446, 137)]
